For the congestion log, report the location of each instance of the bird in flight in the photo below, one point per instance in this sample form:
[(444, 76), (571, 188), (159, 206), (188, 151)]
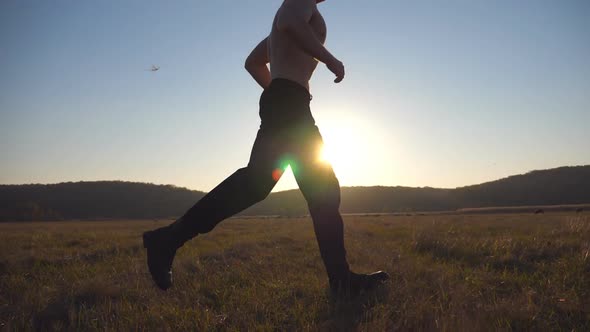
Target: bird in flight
[(154, 68)]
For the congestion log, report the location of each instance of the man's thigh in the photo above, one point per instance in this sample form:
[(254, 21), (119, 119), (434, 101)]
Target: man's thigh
[(315, 176), (268, 154)]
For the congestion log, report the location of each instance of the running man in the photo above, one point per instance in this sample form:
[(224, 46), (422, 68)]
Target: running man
[(287, 134)]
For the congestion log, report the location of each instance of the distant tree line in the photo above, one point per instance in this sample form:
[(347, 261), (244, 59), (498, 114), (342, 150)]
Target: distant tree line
[(92, 200), (564, 185), (127, 200)]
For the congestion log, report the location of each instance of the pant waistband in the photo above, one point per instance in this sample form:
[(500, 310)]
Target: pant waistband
[(293, 88)]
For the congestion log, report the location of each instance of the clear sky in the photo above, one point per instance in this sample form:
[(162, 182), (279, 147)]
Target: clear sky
[(437, 93)]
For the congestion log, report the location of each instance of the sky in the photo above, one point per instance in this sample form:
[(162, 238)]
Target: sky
[(436, 93)]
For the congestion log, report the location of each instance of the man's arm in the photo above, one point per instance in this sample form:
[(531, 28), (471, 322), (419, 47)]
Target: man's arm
[(256, 64), (293, 18)]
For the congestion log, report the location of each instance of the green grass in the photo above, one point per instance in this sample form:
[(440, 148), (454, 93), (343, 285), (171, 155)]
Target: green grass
[(483, 272)]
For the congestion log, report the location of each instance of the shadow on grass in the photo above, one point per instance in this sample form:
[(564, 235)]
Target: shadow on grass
[(346, 314)]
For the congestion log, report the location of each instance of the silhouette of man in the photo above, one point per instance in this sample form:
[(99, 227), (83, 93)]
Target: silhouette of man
[(287, 134)]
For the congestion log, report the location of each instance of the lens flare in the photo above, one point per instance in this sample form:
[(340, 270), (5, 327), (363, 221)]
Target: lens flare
[(276, 174), (284, 164)]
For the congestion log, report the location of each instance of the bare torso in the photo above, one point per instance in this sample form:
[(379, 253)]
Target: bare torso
[(287, 59)]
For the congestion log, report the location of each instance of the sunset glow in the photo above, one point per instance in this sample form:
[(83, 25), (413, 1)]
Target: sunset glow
[(351, 145), (435, 94)]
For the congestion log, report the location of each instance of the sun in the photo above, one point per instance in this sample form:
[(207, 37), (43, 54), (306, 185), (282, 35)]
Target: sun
[(345, 146), (353, 146), (334, 154), (325, 156), (341, 151)]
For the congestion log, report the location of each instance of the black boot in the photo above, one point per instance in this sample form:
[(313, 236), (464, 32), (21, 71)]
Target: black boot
[(160, 254), (353, 284)]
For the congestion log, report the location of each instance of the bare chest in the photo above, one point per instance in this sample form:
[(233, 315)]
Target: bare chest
[(318, 25)]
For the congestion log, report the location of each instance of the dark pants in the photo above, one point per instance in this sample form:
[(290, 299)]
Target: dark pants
[(287, 136)]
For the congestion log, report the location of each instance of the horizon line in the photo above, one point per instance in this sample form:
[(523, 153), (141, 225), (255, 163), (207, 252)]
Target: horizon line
[(349, 186)]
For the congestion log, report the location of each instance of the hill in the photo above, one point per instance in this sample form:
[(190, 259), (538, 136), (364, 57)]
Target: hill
[(93, 200), (118, 199), (563, 185)]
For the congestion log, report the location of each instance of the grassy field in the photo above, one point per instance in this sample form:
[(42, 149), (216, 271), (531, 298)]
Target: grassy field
[(450, 273)]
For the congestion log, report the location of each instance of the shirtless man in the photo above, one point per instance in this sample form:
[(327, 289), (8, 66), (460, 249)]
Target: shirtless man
[(287, 136)]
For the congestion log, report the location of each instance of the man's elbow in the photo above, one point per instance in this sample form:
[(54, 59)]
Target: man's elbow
[(249, 63), (250, 67), (252, 63)]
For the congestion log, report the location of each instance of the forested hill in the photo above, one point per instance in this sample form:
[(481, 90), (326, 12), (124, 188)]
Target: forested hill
[(564, 185), (127, 200), (92, 200)]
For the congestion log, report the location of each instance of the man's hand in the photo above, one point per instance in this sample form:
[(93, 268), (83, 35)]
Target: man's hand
[(336, 67)]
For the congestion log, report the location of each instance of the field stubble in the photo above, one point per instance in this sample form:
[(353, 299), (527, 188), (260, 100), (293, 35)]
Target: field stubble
[(452, 272)]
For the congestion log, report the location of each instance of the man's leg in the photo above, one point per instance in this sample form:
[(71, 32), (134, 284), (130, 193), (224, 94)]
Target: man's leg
[(239, 191), (242, 189), (321, 189)]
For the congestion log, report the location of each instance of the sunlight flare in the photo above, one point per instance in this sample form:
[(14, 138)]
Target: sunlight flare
[(352, 146), (346, 144)]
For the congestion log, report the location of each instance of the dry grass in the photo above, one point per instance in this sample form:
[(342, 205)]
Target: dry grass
[(450, 273)]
